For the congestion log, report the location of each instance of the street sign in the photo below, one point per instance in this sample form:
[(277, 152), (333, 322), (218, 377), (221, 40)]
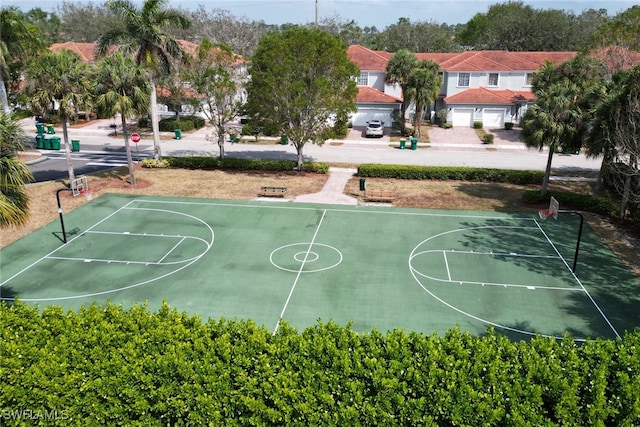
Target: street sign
[(135, 138)]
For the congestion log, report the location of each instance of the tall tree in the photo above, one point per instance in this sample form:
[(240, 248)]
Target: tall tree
[(143, 34), (398, 70), (216, 74), (423, 86), (301, 80), (18, 41), (615, 134), (59, 79), (121, 88), (14, 174)]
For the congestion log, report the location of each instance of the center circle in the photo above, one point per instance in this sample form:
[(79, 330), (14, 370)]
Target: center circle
[(297, 257), (306, 257)]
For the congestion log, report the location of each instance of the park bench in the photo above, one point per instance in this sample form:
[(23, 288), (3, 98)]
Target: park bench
[(270, 191), (379, 196)]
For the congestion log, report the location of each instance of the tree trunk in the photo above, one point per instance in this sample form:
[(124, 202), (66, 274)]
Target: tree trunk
[(299, 150), (625, 195), (547, 172), (597, 189), (155, 127), (221, 141), (127, 146), (67, 148)]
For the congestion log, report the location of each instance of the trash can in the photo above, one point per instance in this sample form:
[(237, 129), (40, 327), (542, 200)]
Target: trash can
[(178, 133), (234, 138), (40, 128), (55, 142), (402, 144), (51, 129), (363, 184), (284, 140), (414, 143), (75, 145), (46, 143), (40, 141)]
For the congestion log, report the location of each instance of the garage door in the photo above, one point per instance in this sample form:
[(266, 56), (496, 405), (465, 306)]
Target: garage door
[(462, 117), (493, 118), (363, 115)]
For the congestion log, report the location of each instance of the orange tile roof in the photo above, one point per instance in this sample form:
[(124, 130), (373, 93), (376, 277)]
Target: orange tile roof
[(369, 95), (367, 59), (483, 95), (86, 51)]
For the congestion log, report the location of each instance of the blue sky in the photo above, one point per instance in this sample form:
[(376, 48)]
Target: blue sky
[(379, 13)]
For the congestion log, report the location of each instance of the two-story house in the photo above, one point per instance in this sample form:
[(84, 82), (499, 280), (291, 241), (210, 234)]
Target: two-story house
[(492, 87)]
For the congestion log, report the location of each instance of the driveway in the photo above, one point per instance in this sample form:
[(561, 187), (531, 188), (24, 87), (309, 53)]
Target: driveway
[(466, 137)]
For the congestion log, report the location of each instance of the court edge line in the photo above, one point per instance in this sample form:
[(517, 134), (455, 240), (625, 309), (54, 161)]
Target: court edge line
[(63, 245), (606, 319), (295, 283)]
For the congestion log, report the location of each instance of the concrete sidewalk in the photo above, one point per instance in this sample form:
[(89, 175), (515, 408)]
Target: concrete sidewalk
[(333, 190)]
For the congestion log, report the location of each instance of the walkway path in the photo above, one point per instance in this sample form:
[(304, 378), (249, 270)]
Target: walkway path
[(333, 190)]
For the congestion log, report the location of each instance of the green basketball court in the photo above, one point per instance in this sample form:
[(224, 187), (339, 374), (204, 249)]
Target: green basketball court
[(375, 267)]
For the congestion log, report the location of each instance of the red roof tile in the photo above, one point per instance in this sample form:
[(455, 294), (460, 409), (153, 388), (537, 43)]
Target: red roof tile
[(367, 59), (486, 96), (86, 51), (370, 95)]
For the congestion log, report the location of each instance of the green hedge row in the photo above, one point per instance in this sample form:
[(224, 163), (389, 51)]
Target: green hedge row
[(185, 124), (450, 173), (108, 366), (229, 163)]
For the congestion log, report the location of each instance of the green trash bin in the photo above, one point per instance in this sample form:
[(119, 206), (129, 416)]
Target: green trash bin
[(402, 144), (39, 142), (178, 133), (51, 129), (234, 138), (75, 145), (55, 142), (284, 140), (46, 143), (414, 143), (40, 128)]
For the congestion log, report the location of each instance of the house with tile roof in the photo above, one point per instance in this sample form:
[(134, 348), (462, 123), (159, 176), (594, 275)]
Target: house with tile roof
[(492, 87)]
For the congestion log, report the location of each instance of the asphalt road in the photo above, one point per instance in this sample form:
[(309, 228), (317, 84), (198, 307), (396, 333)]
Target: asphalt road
[(100, 149)]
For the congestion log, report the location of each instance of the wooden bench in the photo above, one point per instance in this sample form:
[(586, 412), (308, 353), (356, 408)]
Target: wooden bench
[(269, 191), (379, 196)]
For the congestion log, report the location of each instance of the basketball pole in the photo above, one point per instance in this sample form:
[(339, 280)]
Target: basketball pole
[(575, 257), (64, 234)]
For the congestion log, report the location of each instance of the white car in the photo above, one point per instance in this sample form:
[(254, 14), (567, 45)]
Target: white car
[(375, 128)]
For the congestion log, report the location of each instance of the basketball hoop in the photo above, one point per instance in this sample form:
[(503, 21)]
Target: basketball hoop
[(544, 214), (88, 194)]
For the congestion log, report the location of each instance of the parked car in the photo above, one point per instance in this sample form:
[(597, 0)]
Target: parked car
[(244, 117), (375, 128)]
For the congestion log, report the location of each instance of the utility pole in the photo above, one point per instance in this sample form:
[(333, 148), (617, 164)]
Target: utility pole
[(316, 13)]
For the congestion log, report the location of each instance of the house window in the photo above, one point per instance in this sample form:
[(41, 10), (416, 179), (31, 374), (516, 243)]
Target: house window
[(528, 79), (463, 79), (493, 79), (364, 79)]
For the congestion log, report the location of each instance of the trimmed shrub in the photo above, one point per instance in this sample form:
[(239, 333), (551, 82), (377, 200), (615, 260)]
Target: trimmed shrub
[(488, 138), (508, 125), (477, 125), (446, 125), (441, 173), (144, 122), (209, 163)]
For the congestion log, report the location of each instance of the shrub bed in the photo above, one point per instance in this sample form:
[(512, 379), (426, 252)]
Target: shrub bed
[(202, 162), (450, 173), (107, 366)]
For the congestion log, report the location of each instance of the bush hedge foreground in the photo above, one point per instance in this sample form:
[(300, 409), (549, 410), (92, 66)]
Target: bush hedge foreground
[(108, 366)]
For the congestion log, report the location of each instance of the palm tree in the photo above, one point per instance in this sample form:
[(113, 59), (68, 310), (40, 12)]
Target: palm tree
[(14, 174), (398, 70), (422, 88), (141, 34), (552, 120), (59, 78), (121, 87), (19, 38)]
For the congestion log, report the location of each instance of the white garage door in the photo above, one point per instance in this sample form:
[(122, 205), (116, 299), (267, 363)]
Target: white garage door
[(363, 115), (462, 117), (493, 118)]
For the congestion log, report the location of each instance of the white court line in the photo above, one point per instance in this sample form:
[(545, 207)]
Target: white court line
[(578, 280), (306, 256), (446, 263), (61, 246), (171, 250)]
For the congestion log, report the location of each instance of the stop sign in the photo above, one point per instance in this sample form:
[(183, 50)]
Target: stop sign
[(135, 137)]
